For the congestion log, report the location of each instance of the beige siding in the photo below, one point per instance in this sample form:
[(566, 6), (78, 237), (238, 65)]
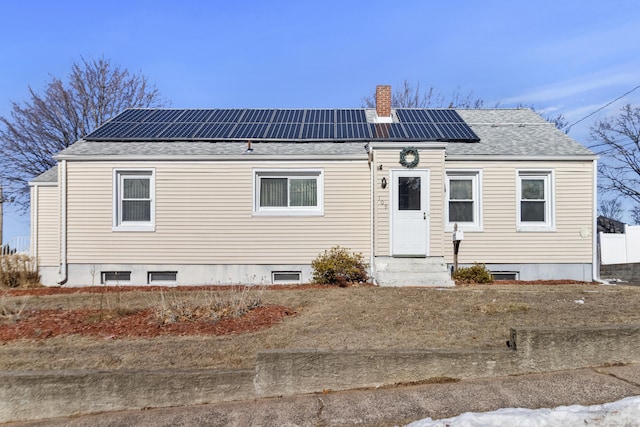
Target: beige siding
[(499, 242), (430, 159), (47, 225), (204, 215)]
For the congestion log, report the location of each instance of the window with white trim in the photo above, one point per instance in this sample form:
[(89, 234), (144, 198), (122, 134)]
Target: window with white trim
[(535, 204), (288, 192), (133, 200), (464, 200)]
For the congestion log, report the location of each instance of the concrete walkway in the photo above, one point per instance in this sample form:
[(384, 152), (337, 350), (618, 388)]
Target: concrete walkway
[(391, 406)]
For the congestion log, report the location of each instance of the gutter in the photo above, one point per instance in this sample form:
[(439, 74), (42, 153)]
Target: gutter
[(62, 178), (372, 258)]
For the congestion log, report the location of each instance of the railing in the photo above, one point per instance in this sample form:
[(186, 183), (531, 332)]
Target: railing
[(16, 245)]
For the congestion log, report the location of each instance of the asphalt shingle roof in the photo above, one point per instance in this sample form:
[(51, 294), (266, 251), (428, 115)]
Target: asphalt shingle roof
[(502, 132)]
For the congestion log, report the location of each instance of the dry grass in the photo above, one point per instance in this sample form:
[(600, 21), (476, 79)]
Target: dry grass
[(18, 270), (11, 309), (470, 317), (174, 306)]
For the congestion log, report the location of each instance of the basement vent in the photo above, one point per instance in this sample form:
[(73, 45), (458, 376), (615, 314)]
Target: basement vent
[(115, 277), (162, 277), (285, 277), (505, 275)]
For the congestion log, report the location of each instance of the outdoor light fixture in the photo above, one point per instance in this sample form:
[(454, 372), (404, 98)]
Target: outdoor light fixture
[(384, 182)]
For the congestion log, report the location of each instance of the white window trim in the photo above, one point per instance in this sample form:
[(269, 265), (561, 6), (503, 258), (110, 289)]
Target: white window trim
[(118, 225), (476, 179), (317, 174), (548, 176)]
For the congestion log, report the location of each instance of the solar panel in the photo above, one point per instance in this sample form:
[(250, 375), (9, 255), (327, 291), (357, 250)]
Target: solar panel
[(353, 131), (214, 131), (225, 115), (195, 116), (317, 131), (257, 116), (288, 116), (145, 131), (412, 124), (249, 130), (163, 116), (388, 131), (422, 131), (132, 115), (111, 130), (284, 131), (180, 130), (319, 116), (445, 116), (459, 131), (413, 116), (351, 116)]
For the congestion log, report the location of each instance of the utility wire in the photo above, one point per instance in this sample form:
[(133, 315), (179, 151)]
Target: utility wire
[(601, 108)]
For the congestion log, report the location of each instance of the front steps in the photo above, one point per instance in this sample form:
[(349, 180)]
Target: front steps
[(427, 272)]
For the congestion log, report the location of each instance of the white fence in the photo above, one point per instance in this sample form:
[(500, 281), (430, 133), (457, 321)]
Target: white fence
[(620, 248), (18, 245)]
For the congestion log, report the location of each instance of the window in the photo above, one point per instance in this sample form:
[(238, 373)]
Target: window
[(534, 207), (162, 277), (463, 205), (284, 277), (288, 192), (133, 200), (115, 277)]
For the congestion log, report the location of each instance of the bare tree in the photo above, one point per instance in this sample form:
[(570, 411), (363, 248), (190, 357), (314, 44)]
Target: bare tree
[(94, 92), (410, 96), (635, 215), (617, 140), (611, 208)]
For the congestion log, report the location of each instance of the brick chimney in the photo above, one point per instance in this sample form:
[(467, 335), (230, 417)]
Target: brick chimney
[(383, 102)]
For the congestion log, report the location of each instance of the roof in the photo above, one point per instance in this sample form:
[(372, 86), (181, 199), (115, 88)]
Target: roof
[(500, 132), (515, 132), (50, 176)]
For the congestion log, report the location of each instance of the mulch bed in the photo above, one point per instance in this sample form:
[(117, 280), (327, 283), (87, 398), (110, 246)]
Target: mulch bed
[(42, 324)]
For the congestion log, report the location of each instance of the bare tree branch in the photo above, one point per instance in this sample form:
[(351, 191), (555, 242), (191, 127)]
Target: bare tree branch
[(409, 96), (617, 140), (38, 129)]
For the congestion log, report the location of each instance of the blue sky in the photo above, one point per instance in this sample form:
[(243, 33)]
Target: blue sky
[(567, 57)]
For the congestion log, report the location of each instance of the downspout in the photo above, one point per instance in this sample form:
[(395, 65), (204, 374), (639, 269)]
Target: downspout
[(372, 262), (62, 178)]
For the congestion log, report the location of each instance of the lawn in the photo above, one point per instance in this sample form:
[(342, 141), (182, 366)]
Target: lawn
[(464, 317)]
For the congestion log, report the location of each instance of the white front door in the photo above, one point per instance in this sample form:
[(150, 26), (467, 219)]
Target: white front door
[(410, 212)]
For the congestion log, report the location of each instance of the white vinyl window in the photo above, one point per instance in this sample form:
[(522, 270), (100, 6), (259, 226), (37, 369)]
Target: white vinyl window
[(133, 200), (535, 204), (464, 200), (288, 192)]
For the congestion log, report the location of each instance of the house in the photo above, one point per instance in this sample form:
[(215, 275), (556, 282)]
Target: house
[(250, 196)]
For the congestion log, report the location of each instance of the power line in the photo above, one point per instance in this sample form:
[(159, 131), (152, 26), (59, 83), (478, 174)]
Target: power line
[(601, 108)]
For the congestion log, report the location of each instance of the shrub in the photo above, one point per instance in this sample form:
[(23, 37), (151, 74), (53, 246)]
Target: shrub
[(477, 273), (18, 271), (339, 266)]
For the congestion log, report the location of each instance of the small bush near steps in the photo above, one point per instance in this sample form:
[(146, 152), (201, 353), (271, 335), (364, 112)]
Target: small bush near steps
[(339, 266), (477, 273)]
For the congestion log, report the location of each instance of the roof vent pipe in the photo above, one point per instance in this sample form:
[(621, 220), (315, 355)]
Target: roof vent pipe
[(383, 103)]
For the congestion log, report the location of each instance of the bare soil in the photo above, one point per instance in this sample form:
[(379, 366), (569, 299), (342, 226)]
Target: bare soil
[(115, 328)]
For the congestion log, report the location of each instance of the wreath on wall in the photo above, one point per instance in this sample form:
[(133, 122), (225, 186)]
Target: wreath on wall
[(411, 152)]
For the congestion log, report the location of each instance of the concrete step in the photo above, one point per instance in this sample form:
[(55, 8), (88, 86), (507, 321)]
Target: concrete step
[(429, 271)]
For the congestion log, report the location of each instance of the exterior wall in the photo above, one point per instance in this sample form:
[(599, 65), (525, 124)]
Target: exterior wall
[(46, 225), (388, 159), (500, 243), (204, 216), (565, 253)]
